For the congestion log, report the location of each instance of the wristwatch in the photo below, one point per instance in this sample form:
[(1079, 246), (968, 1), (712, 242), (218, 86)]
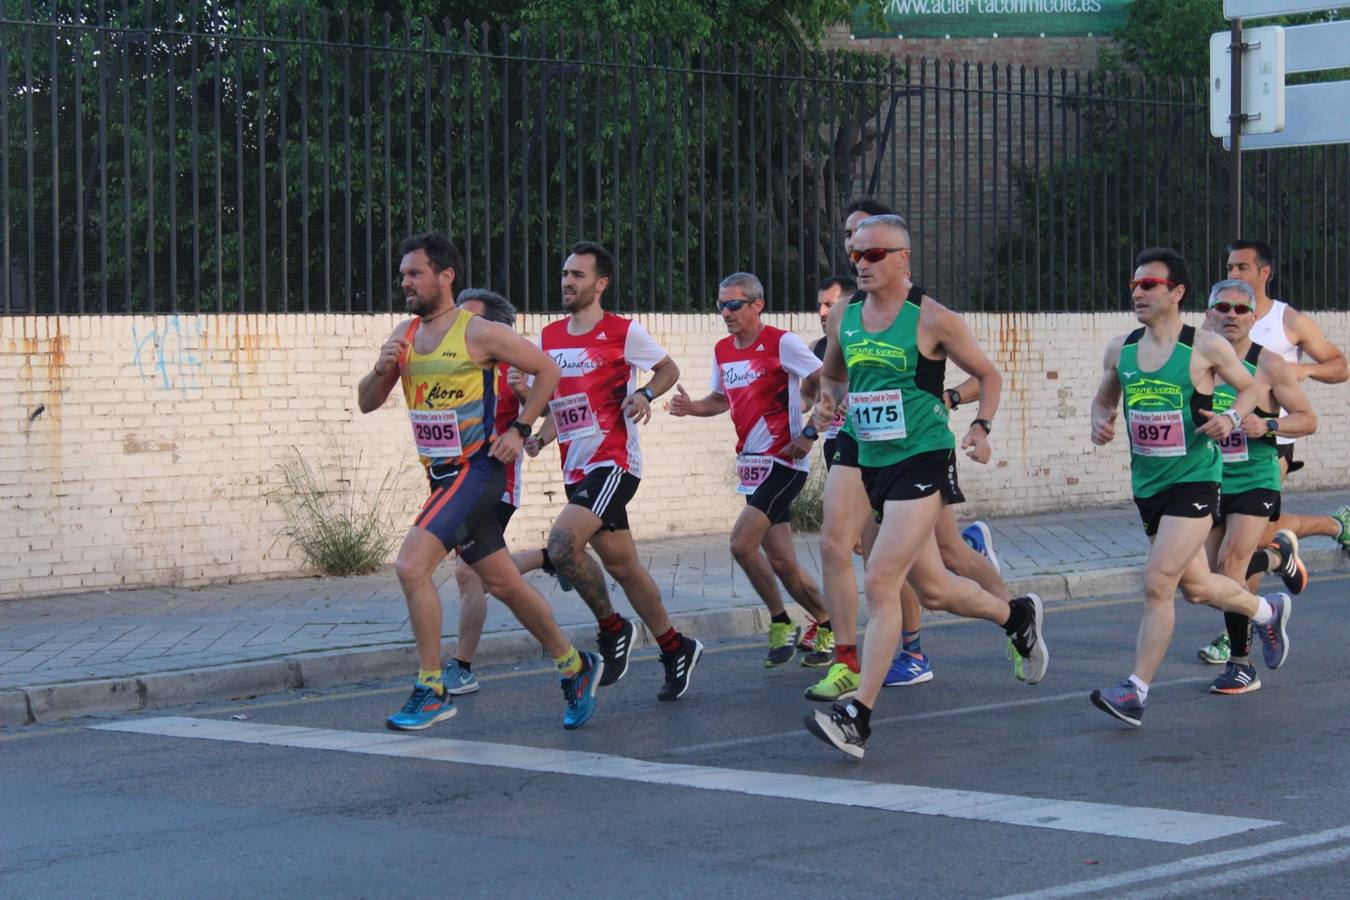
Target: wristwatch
[(521, 429), (953, 397), (1233, 417), (987, 425), (647, 392), (810, 433), (1272, 426)]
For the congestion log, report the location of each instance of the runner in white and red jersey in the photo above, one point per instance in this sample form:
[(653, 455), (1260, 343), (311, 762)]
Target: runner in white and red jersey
[(594, 414), (760, 374)]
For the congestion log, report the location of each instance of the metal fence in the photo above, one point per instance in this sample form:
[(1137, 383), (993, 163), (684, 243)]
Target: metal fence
[(200, 158)]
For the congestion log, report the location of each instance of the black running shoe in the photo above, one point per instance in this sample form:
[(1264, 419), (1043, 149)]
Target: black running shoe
[(1291, 569), (841, 729), (1029, 642), (1237, 678), (679, 668), (615, 648)]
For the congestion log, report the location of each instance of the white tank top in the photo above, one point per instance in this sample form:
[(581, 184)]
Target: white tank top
[(1269, 333)]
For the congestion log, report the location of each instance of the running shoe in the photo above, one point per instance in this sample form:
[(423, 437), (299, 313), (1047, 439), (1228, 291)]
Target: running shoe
[(1029, 641), (1291, 569), (823, 654), (808, 638), (840, 729), (839, 683), (615, 648), (782, 643), (908, 669), (579, 690), (457, 679), (981, 540), (1121, 701), (549, 569), (1217, 651), (1237, 678), (423, 709), (680, 668), (1342, 516), (1274, 634)]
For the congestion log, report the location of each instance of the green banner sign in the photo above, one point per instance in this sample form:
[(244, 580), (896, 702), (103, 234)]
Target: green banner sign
[(985, 18)]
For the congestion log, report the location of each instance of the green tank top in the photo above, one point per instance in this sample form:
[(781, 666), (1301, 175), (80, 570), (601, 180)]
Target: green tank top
[(895, 406), (1248, 463), (1162, 413)]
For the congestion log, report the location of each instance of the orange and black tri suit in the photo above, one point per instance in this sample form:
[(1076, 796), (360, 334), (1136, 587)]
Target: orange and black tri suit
[(452, 406)]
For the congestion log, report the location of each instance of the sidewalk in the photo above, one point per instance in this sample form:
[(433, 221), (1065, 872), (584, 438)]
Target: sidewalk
[(115, 651)]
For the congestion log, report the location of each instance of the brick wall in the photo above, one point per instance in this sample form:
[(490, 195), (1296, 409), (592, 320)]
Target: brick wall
[(154, 458)]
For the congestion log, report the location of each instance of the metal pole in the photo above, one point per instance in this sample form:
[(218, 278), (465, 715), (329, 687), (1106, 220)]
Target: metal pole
[(1235, 117)]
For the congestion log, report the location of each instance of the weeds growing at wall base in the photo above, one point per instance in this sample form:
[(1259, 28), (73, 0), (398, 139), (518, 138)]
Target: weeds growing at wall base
[(342, 531)]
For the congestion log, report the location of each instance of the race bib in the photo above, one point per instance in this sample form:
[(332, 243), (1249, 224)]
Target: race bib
[(752, 470), (1157, 433), (436, 433), (573, 417), (1234, 447), (878, 415), (840, 417)]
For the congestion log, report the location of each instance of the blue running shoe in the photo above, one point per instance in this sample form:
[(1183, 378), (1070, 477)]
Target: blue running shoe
[(1121, 701), (1275, 633), (981, 540), (579, 690), (423, 709), (908, 669), (457, 679)]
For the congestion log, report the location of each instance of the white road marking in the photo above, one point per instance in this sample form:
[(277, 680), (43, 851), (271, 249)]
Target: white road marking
[(1139, 823), (1182, 868)]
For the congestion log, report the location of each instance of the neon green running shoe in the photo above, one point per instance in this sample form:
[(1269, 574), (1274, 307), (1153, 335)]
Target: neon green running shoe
[(1016, 658), (782, 643), (1217, 653), (1342, 515), (823, 654), (839, 683)]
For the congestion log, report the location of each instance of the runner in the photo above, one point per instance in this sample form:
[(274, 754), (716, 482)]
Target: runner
[(895, 344), (445, 358), (1166, 373), (1292, 335), (1250, 491), (594, 415), (761, 373), (849, 528), (458, 676)]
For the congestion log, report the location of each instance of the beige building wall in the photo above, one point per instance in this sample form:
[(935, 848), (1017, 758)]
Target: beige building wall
[(145, 450)]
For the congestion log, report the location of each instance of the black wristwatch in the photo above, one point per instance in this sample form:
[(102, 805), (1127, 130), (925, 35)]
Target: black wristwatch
[(810, 433), (647, 392), (987, 425), (522, 429), (953, 397), (1272, 427)]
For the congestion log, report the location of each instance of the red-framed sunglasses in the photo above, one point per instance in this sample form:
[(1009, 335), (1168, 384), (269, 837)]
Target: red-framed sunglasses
[(1224, 307), (1149, 284), (873, 255)]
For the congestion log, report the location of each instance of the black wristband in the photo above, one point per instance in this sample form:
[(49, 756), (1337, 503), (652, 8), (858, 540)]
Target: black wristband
[(810, 433), (647, 392), (987, 425), (521, 429), (953, 397)]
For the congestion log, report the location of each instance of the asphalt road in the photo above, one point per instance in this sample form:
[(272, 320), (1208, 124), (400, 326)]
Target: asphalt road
[(722, 793)]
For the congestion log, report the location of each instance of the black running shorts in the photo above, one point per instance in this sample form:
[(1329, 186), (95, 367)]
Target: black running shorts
[(775, 494), (1261, 502), (605, 491), (919, 476), (1189, 500)]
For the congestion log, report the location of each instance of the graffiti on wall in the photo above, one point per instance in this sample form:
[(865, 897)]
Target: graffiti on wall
[(169, 354)]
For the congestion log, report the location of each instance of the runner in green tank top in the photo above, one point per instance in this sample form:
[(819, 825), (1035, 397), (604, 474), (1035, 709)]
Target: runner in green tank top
[(1251, 476), (1166, 373), (890, 368)]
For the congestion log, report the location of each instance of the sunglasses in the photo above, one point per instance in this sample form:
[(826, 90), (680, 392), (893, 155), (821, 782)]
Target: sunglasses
[(732, 305), (874, 255), (1149, 284), (1224, 307)]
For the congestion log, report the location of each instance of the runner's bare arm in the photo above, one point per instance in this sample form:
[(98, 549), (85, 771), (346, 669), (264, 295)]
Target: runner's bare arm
[(683, 405), (1107, 398), (1221, 356), (1298, 418), (833, 373), (967, 390), (1329, 366), (958, 341), (665, 374), (490, 343), (374, 388)]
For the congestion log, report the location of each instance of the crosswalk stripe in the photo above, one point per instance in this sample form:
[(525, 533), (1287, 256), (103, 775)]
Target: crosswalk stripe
[(1140, 823)]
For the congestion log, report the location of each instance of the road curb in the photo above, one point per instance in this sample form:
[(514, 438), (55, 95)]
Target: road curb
[(51, 702)]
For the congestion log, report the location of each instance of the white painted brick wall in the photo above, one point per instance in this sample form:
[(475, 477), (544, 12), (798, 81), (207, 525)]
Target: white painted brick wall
[(155, 459)]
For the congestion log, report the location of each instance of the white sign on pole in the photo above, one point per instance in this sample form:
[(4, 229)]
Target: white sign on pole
[(1263, 89), (1311, 118), (1312, 48), (1263, 9)]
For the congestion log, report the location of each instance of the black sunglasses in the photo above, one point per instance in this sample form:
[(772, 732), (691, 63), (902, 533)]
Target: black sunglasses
[(733, 305)]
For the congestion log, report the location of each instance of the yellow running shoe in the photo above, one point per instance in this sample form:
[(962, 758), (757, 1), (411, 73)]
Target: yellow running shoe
[(839, 683)]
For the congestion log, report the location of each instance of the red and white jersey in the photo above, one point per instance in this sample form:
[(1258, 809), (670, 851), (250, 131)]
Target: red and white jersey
[(599, 370), (762, 382), (508, 410)]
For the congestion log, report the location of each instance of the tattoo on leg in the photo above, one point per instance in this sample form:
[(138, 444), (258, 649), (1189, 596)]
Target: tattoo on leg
[(578, 567)]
